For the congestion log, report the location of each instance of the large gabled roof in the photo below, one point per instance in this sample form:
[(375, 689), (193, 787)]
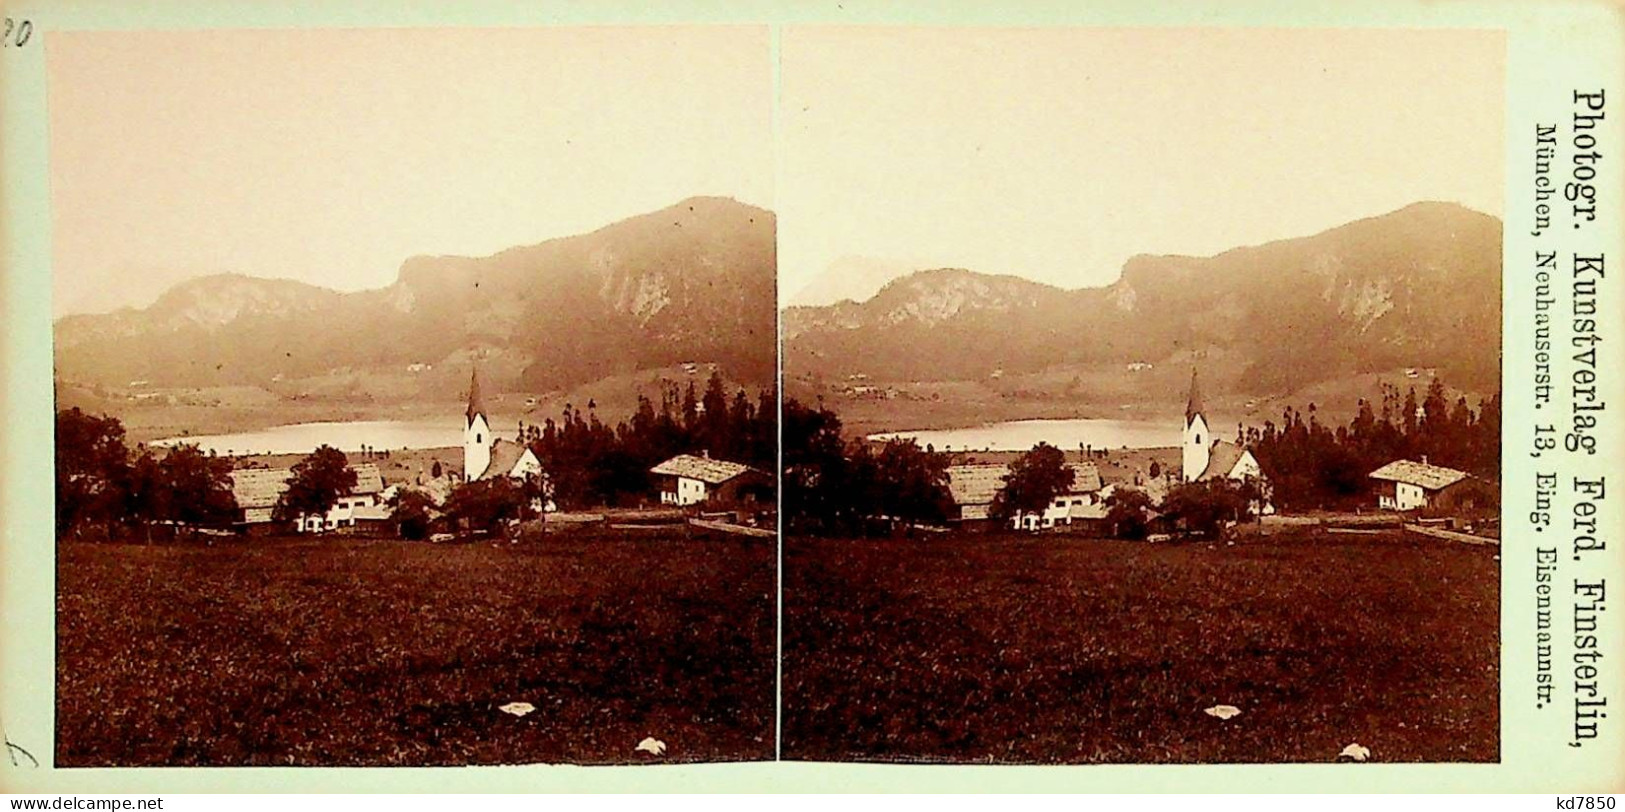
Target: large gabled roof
[(368, 479), (1085, 477), (1420, 474), (704, 469), (258, 487), (262, 487), (978, 483)]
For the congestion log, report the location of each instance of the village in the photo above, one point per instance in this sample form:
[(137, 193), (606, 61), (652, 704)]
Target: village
[(1414, 494), (1204, 594), (1078, 492), (515, 492), (492, 485)]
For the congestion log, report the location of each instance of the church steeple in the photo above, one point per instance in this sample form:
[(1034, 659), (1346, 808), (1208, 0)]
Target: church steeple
[(1193, 400), (476, 403)]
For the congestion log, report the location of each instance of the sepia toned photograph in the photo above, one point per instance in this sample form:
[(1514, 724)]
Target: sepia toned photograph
[(415, 396), (1142, 394)]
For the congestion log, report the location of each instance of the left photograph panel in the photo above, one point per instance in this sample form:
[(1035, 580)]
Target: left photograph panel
[(415, 396)]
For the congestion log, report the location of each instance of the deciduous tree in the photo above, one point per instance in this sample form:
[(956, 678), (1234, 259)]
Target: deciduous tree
[(316, 484), (1034, 479), (1128, 513), (197, 487), (92, 466)]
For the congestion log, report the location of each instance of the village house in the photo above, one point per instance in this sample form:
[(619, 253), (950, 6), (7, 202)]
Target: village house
[(1078, 502), (973, 486), (258, 489), (1405, 485), (691, 480)]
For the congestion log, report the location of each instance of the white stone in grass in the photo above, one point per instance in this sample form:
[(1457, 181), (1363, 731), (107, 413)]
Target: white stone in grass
[(652, 746), (517, 708), (1355, 752), (1223, 711)]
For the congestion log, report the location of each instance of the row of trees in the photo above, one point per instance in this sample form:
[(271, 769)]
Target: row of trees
[(832, 487), (102, 487), (590, 463), (1311, 465)]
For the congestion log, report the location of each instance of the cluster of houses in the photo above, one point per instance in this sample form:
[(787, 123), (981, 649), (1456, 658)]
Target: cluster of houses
[(682, 481), (689, 480), (1402, 485)]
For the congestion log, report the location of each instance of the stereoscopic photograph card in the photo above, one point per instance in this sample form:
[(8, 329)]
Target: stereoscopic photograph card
[(745, 397)]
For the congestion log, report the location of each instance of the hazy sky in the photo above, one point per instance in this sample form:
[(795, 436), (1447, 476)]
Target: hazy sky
[(331, 156), (1058, 154)]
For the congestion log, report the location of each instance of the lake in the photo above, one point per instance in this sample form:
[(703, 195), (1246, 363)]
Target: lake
[(1021, 435), (301, 438)]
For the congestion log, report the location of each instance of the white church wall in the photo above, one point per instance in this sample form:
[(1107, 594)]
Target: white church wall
[(1196, 447), (476, 447)]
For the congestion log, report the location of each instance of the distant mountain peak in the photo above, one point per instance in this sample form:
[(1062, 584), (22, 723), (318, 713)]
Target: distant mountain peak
[(219, 299)]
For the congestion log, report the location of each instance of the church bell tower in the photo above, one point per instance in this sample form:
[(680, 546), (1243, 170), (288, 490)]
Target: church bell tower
[(476, 432), (1198, 441)]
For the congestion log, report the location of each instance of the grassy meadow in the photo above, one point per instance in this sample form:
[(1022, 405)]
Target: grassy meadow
[(350, 652), (1055, 649)]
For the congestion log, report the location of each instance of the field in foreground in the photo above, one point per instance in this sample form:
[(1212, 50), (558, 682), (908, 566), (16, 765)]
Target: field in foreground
[(361, 652), (1061, 650)]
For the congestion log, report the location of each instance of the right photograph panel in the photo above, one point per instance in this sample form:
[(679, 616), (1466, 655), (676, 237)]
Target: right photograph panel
[(1141, 394)]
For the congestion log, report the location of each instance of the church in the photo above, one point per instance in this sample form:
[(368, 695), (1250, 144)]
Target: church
[(484, 455), (1204, 458)]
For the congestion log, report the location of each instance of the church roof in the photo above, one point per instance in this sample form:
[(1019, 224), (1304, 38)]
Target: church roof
[(1193, 401), (505, 454), (1420, 474), (704, 469), (1221, 459), (476, 402)]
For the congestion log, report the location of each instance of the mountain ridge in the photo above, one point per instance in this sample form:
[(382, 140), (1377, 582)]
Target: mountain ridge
[(694, 280), (1396, 289)]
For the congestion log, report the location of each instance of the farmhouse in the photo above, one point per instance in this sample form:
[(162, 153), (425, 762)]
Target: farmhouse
[(258, 489), (689, 480), (973, 486), (1405, 485)]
